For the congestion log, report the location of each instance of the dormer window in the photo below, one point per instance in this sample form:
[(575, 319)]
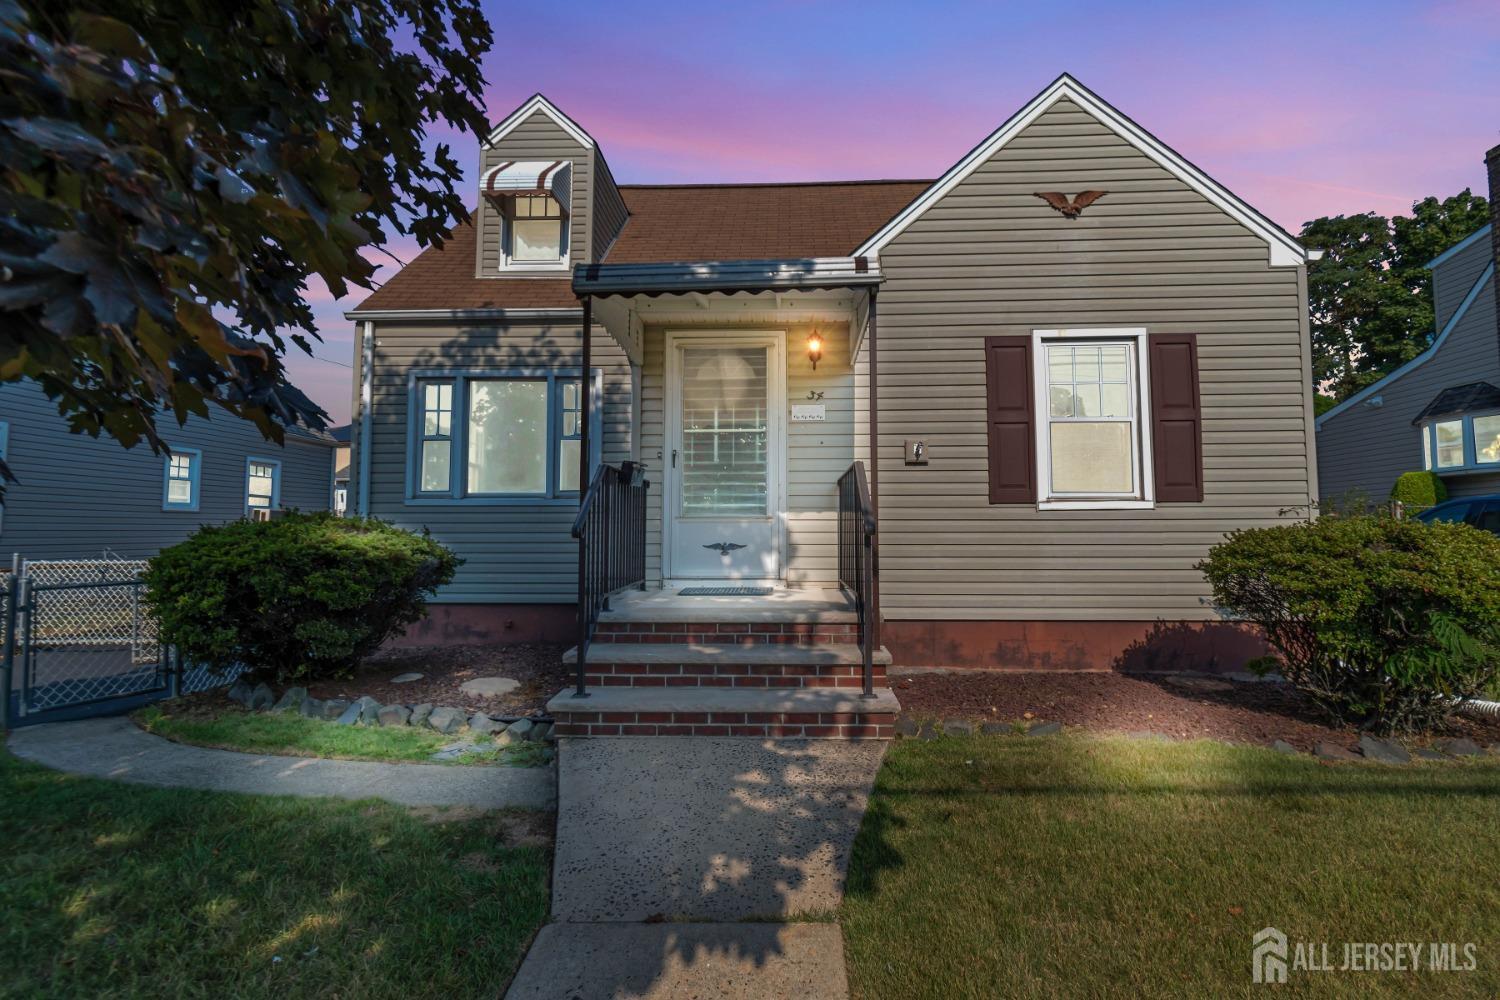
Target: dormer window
[(532, 197), (534, 229)]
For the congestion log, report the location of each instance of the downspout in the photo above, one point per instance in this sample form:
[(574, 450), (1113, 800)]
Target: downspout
[(366, 363)]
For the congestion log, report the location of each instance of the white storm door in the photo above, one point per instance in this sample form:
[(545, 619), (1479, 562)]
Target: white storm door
[(726, 446)]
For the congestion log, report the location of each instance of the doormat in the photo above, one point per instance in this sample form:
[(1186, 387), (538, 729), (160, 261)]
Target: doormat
[(725, 592)]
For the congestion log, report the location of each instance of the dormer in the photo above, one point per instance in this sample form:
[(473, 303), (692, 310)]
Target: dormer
[(547, 201)]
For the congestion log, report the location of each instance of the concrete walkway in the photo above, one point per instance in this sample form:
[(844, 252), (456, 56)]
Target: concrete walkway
[(119, 750), (670, 829)]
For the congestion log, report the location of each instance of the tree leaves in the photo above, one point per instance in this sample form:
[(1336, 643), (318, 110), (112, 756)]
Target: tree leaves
[(172, 176), (1370, 297)]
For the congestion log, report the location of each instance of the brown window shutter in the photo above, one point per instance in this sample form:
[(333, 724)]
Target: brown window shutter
[(1176, 418), (1009, 411)]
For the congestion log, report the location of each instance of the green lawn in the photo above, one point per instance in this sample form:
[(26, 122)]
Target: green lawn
[(126, 891), (288, 733), (1072, 866)]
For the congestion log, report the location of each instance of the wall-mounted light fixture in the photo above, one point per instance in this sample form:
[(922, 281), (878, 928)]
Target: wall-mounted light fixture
[(815, 349)]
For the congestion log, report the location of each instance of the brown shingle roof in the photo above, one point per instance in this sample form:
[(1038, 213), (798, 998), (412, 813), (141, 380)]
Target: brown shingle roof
[(444, 279), (754, 221), (668, 224)]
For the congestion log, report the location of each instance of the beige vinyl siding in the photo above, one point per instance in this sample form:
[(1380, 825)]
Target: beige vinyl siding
[(1364, 448), (817, 452), (610, 212), (1452, 279), (515, 553), (992, 259), (537, 138), (81, 497)]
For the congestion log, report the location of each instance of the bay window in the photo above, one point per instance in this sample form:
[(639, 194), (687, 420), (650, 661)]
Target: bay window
[(1461, 443), (497, 436)]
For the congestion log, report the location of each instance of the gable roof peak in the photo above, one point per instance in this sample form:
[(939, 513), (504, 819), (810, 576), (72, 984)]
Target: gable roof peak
[(1283, 248), (539, 102)]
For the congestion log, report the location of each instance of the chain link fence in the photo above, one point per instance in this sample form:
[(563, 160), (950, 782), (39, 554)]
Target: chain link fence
[(84, 636)]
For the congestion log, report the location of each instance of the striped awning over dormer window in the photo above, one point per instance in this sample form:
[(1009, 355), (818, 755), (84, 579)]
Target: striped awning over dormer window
[(513, 177)]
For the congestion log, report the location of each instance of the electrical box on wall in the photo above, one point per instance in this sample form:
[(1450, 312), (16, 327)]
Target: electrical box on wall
[(916, 453)]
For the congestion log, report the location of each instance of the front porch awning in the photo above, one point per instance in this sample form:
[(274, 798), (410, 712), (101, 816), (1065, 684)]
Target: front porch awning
[(726, 276), (554, 177)]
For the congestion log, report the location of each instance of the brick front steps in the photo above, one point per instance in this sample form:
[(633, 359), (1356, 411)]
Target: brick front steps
[(807, 713), (728, 633), (681, 665)]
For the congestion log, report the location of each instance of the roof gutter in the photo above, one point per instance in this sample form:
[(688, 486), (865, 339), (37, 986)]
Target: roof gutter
[(793, 274), (461, 314)]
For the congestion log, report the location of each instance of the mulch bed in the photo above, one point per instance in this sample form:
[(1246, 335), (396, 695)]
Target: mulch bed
[(538, 666), (1180, 706)]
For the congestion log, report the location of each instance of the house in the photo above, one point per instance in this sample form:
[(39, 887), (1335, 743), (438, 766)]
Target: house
[(1440, 410), (1081, 361), (340, 437), (80, 497)]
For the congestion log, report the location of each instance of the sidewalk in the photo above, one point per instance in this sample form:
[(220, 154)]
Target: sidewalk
[(656, 834), (118, 750)]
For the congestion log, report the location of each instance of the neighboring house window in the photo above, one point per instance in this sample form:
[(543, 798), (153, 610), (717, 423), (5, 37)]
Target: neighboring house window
[(262, 484), (1461, 443), (535, 230), (496, 436), (1091, 425), (181, 479)]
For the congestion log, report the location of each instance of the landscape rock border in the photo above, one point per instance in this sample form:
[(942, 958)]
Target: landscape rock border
[(367, 711)]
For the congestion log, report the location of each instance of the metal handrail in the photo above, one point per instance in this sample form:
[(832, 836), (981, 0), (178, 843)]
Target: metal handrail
[(857, 562), (611, 532)]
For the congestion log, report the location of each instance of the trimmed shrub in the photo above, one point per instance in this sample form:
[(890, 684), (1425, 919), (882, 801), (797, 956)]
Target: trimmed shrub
[(1419, 490), (1379, 621), (300, 597)]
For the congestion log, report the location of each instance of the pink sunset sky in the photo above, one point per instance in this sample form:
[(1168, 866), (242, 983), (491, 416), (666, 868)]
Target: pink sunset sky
[(1301, 109)]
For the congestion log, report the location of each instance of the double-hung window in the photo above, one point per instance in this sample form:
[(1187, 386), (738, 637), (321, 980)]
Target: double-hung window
[(535, 231), (181, 478), (1090, 437), (497, 436), (262, 484)]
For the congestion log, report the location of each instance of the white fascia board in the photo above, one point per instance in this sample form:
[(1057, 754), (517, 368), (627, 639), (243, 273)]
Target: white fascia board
[(1461, 245), (1285, 251), (1420, 359), (401, 314), (546, 107)]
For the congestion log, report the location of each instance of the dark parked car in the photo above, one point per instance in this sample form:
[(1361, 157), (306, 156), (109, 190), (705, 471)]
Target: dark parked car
[(1481, 512)]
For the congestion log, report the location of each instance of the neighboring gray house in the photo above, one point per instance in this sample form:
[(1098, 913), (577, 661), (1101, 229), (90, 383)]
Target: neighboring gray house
[(80, 497), (1441, 410), (1085, 361)]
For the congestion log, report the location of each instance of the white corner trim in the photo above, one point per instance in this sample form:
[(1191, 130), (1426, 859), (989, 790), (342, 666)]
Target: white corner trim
[(1420, 359), (546, 107), (366, 379), (1285, 251)]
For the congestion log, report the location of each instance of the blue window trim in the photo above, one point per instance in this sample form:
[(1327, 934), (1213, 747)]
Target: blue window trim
[(275, 464), (460, 377), (195, 474), (1471, 446)]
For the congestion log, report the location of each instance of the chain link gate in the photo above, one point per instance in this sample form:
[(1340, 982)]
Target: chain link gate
[(77, 640)]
